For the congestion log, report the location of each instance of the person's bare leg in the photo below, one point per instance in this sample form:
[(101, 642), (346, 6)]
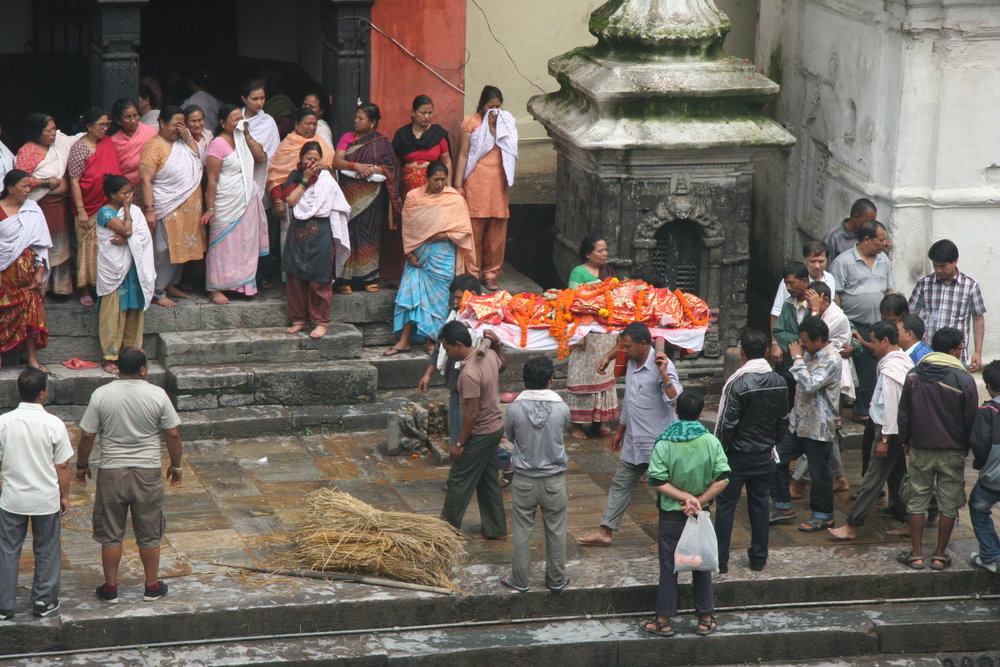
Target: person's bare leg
[(945, 526), (916, 525), (296, 327), (403, 344), (173, 290), (845, 532), (599, 538), (32, 348), (150, 564), (111, 557)]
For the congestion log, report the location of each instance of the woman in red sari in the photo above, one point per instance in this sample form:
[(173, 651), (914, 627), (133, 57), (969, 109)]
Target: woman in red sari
[(91, 158), (416, 145), (24, 261), (370, 183)]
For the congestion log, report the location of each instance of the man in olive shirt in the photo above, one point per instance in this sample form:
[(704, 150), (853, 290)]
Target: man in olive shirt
[(474, 455)]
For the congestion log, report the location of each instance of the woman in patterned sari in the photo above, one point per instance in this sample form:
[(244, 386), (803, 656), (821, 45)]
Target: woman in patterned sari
[(91, 158), (438, 242), (234, 213), (369, 180), (44, 156), (24, 263)]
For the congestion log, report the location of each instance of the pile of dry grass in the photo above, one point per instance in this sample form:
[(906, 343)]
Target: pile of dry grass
[(343, 534)]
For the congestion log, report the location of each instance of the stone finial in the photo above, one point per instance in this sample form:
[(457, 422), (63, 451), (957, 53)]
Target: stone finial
[(659, 23)]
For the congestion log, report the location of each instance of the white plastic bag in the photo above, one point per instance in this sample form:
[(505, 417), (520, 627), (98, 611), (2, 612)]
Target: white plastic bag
[(698, 549)]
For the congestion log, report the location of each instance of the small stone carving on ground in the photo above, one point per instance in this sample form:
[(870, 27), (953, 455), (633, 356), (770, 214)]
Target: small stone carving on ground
[(411, 430)]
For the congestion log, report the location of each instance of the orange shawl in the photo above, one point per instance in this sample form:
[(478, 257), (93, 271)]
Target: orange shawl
[(286, 158), (425, 215)]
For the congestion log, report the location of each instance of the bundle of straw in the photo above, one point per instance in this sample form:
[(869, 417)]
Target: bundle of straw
[(343, 534)]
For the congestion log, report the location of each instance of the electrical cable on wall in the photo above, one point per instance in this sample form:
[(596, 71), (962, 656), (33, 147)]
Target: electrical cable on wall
[(504, 47)]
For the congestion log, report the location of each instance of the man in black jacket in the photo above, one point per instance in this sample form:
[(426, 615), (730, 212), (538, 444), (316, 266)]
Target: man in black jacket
[(753, 417), (986, 459)]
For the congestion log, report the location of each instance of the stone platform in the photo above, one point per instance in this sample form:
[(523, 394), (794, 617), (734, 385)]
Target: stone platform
[(816, 598)]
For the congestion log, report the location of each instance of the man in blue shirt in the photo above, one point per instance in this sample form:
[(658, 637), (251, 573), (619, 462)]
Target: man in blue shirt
[(911, 337)]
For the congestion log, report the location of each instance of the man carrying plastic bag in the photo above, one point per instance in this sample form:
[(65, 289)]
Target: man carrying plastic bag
[(688, 468)]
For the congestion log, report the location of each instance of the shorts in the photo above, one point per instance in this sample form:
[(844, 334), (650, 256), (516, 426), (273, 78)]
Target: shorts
[(944, 466), (120, 490)]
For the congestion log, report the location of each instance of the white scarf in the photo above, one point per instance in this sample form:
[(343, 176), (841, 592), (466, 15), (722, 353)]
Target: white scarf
[(325, 199), (265, 131), (6, 160), (236, 183), (114, 261), (539, 395), (751, 366), (177, 180), (53, 165), (482, 142), (25, 229), (895, 365)]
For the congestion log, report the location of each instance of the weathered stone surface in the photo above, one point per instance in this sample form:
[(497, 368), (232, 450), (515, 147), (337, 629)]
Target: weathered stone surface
[(180, 348), (400, 371), (324, 383), (362, 306), (265, 345), (377, 334), (198, 402), (240, 422), (70, 387), (183, 379), (235, 400)]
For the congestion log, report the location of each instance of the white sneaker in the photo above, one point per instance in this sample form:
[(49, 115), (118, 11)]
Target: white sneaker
[(993, 567)]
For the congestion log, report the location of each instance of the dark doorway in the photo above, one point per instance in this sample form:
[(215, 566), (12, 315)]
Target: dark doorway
[(677, 256)]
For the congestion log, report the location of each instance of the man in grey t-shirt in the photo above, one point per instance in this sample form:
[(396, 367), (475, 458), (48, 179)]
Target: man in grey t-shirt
[(129, 413)]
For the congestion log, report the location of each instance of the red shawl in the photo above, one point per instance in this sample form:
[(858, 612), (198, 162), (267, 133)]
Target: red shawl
[(103, 161)]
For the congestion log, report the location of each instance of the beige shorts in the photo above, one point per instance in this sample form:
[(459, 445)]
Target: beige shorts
[(120, 490), (937, 472)]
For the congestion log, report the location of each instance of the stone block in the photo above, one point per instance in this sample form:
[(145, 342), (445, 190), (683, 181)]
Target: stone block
[(342, 341), (70, 318), (377, 334), (197, 402), (372, 416), (324, 383), (185, 317), (316, 416), (186, 348), (363, 306), (235, 400), (263, 314), (400, 371), (183, 379), (69, 387), (240, 422)]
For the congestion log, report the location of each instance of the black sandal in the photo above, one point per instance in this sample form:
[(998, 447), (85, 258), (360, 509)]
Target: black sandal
[(706, 627), (658, 628)]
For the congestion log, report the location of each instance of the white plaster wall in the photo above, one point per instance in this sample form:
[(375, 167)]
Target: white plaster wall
[(899, 103)]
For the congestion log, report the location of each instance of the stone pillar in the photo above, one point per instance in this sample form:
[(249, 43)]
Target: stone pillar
[(346, 59), (658, 131), (114, 68)]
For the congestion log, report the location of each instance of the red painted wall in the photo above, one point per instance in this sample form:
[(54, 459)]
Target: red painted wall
[(434, 30)]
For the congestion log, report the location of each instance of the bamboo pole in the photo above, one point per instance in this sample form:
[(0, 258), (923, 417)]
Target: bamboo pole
[(337, 576)]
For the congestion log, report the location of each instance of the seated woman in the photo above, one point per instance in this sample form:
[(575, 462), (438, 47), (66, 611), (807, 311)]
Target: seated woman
[(438, 243), (234, 213), (24, 263), (591, 394), (317, 244), (125, 271)]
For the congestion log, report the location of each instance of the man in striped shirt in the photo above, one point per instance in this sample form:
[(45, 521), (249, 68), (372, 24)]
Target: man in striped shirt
[(949, 298)]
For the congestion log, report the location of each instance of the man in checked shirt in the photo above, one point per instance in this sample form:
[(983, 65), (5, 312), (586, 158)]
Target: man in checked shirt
[(949, 298)]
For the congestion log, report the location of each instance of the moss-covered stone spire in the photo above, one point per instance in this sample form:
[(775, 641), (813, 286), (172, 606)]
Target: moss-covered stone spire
[(659, 23)]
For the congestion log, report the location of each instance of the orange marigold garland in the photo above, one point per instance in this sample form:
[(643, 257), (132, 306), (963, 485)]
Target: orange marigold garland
[(560, 318), (688, 313)]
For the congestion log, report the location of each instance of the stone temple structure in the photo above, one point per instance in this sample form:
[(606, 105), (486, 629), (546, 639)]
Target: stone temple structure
[(658, 132)]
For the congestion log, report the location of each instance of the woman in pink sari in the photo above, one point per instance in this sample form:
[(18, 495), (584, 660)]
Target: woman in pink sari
[(91, 158), (129, 140), (234, 213), (44, 157)]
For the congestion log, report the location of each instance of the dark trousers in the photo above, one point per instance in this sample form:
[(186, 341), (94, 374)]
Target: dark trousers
[(45, 530), (867, 442), (890, 469), (666, 592), (476, 472), (866, 366), (792, 447), (755, 472)]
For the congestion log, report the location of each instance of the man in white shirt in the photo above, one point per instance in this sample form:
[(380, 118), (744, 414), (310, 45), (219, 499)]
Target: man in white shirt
[(816, 257), (34, 462)]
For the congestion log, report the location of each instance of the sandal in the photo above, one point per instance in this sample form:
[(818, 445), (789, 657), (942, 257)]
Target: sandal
[(778, 516), (944, 560), (371, 288), (661, 629), (706, 626), (816, 525), (345, 290), (109, 367), (506, 478), (512, 586), (908, 559)]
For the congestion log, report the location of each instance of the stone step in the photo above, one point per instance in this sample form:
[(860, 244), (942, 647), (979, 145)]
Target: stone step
[(264, 345), (316, 383), (68, 387)]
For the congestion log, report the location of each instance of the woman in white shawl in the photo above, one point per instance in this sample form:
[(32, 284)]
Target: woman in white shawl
[(484, 172), (125, 273), (24, 266), (264, 130), (234, 213), (170, 169), (45, 156), (318, 243)]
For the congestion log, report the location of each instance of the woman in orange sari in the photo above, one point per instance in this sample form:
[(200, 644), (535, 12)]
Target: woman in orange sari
[(24, 261), (91, 158), (129, 140)]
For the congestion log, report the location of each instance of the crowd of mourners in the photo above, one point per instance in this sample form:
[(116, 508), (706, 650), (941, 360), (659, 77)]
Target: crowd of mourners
[(163, 191), (146, 199)]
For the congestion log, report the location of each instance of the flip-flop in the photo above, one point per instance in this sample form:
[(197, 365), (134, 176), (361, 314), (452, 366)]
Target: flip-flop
[(78, 364), (909, 560), (779, 517), (505, 581), (945, 561), (816, 525), (561, 586), (508, 396)]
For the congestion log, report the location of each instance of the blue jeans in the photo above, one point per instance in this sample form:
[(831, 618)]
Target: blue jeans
[(821, 486), (981, 501)]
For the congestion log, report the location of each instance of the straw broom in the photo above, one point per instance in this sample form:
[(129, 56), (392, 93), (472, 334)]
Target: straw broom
[(343, 534)]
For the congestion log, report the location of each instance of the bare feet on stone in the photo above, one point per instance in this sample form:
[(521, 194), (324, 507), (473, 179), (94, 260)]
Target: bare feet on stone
[(845, 532), (318, 332), (219, 298), (841, 484), (599, 538), (899, 532), (165, 301), (296, 327), (577, 432)]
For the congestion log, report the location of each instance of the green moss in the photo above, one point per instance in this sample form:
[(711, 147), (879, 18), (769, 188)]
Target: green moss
[(775, 65)]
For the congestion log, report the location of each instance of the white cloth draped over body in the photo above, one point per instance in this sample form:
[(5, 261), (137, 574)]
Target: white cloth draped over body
[(482, 142), (206, 139), (236, 184), (265, 131), (177, 180), (325, 199), (114, 261), (6, 159), (25, 229), (53, 165)]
